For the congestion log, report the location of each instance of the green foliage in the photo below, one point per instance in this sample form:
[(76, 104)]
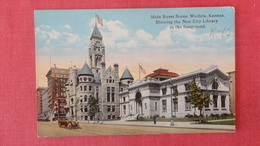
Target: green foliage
[(198, 98), (93, 106)]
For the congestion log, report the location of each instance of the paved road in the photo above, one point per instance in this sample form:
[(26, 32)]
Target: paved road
[(51, 129)]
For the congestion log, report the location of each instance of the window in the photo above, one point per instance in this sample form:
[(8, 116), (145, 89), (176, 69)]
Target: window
[(80, 88), (85, 88), (85, 98), (109, 116), (90, 79), (113, 108), (215, 101), (108, 108), (164, 90), (223, 101), (113, 117), (108, 94), (113, 94), (123, 99), (85, 79), (124, 109), (121, 89), (113, 97), (187, 104), (85, 109), (164, 105), (97, 91), (90, 88), (175, 103)]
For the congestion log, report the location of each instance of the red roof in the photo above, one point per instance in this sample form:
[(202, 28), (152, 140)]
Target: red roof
[(162, 72)]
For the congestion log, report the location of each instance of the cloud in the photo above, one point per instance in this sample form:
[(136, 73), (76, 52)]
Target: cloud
[(128, 44), (54, 34), (71, 38), (67, 26), (143, 35), (47, 26)]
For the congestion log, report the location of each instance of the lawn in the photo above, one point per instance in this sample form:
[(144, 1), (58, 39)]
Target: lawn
[(231, 122)]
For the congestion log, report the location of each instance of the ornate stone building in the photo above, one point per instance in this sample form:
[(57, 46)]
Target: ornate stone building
[(94, 80), (152, 96)]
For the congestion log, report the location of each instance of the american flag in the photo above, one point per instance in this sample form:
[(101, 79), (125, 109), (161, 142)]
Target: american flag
[(142, 69), (99, 20)]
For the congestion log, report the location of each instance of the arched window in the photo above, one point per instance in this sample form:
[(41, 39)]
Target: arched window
[(85, 98)]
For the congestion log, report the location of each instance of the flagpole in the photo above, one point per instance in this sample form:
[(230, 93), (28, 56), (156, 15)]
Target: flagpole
[(139, 72), (95, 20)]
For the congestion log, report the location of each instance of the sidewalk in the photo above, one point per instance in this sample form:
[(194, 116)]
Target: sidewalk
[(191, 125)]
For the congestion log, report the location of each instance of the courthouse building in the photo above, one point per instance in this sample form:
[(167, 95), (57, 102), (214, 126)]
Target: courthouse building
[(94, 80)]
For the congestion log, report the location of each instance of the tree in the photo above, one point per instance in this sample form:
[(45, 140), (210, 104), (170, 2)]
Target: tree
[(93, 106), (198, 98), (175, 94)]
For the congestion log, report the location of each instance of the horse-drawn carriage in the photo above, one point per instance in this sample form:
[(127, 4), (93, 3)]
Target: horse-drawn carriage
[(68, 124)]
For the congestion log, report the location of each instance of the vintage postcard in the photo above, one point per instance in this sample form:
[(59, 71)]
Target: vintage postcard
[(135, 71)]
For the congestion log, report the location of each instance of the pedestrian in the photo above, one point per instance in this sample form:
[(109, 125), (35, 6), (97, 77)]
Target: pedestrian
[(98, 120), (154, 119)]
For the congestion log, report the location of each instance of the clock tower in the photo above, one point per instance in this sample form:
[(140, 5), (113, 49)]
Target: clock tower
[(96, 51)]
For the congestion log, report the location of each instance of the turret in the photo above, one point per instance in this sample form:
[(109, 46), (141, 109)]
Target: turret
[(126, 77)]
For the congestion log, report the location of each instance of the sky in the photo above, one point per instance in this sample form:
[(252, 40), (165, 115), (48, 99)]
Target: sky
[(132, 37)]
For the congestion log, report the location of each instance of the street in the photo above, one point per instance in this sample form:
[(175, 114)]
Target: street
[(52, 129)]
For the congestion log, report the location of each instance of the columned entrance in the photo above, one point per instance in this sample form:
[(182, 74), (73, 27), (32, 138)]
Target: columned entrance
[(138, 103)]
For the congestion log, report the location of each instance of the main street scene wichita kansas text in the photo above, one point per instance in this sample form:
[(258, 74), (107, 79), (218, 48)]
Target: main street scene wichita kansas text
[(135, 71)]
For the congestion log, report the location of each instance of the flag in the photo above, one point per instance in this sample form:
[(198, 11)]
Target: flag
[(142, 69), (99, 20)]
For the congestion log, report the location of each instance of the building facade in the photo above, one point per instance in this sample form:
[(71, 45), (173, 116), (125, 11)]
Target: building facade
[(93, 80), (57, 78), (45, 108), (39, 96), (232, 91), (154, 95)]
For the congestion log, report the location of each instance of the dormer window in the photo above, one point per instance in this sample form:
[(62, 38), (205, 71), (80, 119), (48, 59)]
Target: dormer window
[(85, 79)]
